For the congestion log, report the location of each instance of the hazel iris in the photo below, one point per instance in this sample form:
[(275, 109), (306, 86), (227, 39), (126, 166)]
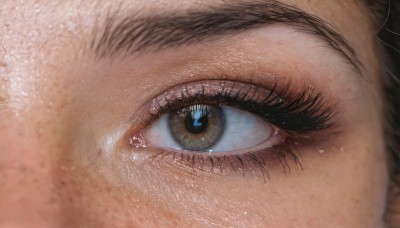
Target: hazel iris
[(197, 127)]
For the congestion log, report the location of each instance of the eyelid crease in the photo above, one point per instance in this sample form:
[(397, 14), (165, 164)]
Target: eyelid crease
[(207, 88)]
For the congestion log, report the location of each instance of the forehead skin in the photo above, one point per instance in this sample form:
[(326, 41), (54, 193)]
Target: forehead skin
[(40, 184)]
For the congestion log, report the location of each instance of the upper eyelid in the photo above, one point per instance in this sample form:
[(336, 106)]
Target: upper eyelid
[(131, 34), (271, 90), (142, 118), (155, 105)]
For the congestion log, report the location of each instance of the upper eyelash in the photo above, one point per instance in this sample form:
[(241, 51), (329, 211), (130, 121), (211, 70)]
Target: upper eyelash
[(304, 111)]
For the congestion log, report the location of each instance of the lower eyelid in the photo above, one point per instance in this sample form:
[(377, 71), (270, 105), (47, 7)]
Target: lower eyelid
[(251, 163)]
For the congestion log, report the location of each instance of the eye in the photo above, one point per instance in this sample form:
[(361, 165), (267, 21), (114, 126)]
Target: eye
[(211, 128), (232, 125)]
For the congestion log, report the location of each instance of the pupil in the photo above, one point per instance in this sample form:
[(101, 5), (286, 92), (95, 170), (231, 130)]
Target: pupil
[(196, 121)]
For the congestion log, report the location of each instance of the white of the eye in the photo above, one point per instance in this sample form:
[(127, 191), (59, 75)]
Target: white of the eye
[(242, 130), (159, 134)]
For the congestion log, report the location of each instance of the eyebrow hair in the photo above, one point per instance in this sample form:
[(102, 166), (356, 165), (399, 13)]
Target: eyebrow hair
[(132, 34)]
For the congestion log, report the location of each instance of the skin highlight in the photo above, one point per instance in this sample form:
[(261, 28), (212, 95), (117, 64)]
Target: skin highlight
[(65, 120)]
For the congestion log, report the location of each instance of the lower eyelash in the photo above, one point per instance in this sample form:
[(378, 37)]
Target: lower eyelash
[(285, 155)]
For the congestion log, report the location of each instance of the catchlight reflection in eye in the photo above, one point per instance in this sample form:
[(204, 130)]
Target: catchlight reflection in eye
[(210, 128)]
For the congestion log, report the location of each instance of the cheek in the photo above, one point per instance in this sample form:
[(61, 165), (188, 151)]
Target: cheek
[(343, 187), (89, 201), (27, 189)]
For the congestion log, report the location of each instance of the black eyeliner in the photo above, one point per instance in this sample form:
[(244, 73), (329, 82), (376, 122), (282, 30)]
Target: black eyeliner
[(302, 111)]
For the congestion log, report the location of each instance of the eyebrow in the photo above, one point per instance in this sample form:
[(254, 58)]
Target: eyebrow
[(132, 34)]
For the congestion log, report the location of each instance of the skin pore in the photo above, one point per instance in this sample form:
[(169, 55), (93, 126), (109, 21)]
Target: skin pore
[(67, 118)]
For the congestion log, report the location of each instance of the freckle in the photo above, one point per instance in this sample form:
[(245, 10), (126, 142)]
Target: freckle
[(43, 164), (52, 201), (99, 152), (63, 183), (23, 169)]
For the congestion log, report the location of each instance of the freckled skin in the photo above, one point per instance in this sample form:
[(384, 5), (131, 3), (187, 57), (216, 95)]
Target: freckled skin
[(64, 161)]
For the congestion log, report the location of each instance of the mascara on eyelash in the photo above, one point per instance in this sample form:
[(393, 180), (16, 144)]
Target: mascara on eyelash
[(302, 111)]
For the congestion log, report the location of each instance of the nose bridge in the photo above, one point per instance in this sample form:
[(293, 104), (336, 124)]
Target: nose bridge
[(27, 196)]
